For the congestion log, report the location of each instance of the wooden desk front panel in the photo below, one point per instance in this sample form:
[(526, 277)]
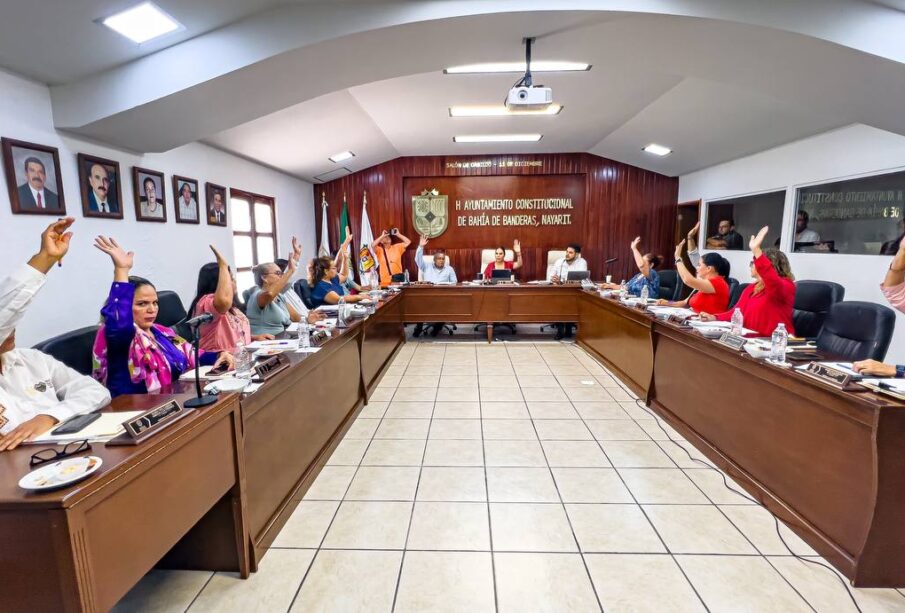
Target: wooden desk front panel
[(491, 303), (382, 337), (430, 304)]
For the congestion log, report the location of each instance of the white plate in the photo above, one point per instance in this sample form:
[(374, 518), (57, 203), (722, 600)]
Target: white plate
[(60, 474), (227, 385)]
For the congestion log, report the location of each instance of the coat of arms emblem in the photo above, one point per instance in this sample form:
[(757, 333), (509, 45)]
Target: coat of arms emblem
[(430, 213)]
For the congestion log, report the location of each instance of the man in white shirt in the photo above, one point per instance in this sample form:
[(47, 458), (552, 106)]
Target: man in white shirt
[(37, 391), (802, 233), (559, 273), (438, 272)]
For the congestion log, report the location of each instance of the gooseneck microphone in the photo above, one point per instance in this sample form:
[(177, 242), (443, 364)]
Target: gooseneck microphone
[(201, 319)]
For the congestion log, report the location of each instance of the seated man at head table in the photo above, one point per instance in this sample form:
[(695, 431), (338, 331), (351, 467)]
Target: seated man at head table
[(893, 287), (37, 391), (437, 272), (559, 273)]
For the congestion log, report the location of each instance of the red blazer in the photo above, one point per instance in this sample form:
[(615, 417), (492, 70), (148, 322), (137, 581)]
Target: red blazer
[(771, 306)]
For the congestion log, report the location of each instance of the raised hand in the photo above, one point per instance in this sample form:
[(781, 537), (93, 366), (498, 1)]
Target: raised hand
[(517, 246), (679, 249), (296, 249), (221, 261), (423, 241), (757, 240), (635, 243), (122, 259), (348, 236), (694, 231), (55, 239)]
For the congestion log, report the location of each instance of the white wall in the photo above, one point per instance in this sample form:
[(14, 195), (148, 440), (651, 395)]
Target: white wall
[(848, 152), (168, 254)]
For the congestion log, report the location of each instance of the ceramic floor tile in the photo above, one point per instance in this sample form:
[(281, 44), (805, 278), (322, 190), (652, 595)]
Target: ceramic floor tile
[(374, 410), (491, 381), (579, 381), (617, 430), (543, 582), (452, 484), (415, 394), (697, 529), (620, 394), (457, 394), (388, 452), (504, 410), (457, 410), (677, 451), (552, 410), (326, 588), (423, 366), (458, 526), (536, 380), (711, 482), (509, 429), (443, 582), (382, 394), (457, 370), (590, 485), (491, 368), (422, 380), (531, 369), (331, 483), (520, 485), (409, 410), (348, 453), (600, 410), (454, 453), (362, 428), (469, 381), (544, 394), (659, 431), (606, 381), (403, 428), (369, 525), (590, 393), (613, 528), (636, 454), (308, 524), (514, 453), (272, 588), (642, 584), (384, 483), (759, 525), (562, 430), (661, 486), (389, 381), (163, 591), (455, 429), (530, 527), (575, 454), (501, 394), (740, 583), (636, 412)]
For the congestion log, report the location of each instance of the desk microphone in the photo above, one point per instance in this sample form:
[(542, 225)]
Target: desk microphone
[(611, 260), (201, 319), (201, 400)]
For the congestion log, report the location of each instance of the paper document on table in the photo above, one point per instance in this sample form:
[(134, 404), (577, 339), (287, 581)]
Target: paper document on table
[(668, 311), (328, 308), (104, 428), (307, 349)]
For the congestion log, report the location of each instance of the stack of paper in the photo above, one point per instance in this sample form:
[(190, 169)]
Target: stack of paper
[(107, 426)]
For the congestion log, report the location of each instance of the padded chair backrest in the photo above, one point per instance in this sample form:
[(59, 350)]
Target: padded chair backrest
[(171, 310), (857, 330), (813, 300), (302, 288), (553, 255), (487, 257), (733, 283), (670, 285), (428, 261), (735, 292), (72, 349)]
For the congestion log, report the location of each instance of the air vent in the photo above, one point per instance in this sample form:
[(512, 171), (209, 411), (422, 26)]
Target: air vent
[(333, 174)]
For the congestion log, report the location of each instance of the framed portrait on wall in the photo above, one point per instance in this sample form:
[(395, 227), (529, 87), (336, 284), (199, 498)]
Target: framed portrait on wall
[(101, 187), (185, 197), (216, 204), (34, 178), (150, 201)]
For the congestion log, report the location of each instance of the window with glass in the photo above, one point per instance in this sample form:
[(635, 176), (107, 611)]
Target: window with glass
[(857, 216), (731, 221), (254, 233)]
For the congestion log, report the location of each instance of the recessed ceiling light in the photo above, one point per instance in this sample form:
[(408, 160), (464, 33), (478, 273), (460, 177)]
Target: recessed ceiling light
[(538, 66), (497, 138), (142, 23), (499, 110), (342, 156), (657, 149)]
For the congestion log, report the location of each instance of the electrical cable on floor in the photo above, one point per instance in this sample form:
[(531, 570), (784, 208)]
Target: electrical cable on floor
[(656, 418)]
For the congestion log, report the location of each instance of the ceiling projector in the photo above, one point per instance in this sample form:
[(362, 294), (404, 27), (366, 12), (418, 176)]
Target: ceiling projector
[(522, 98)]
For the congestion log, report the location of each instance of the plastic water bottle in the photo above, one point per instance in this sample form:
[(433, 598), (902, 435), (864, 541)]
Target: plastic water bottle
[(738, 322), (624, 287), (645, 293), (304, 335), (243, 361), (779, 342), (406, 274)]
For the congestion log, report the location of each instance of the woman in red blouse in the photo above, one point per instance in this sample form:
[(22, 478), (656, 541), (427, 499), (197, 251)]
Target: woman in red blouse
[(501, 263), (711, 293), (769, 300)]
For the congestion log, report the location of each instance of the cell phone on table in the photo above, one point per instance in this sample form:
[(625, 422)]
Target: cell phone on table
[(219, 369), (76, 424)]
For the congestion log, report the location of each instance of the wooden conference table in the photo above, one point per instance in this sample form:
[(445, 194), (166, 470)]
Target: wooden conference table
[(213, 491)]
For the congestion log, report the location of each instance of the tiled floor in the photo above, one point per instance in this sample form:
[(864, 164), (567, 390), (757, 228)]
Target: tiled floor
[(516, 477)]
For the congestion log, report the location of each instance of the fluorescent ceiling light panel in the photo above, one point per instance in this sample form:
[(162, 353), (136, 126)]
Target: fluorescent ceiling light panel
[(499, 110), (658, 149), (497, 138), (142, 23), (341, 157), (537, 66)]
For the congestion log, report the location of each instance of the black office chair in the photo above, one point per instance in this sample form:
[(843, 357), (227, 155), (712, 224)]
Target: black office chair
[(670, 285), (813, 300), (857, 330), (171, 309), (735, 292), (302, 288), (74, 349)]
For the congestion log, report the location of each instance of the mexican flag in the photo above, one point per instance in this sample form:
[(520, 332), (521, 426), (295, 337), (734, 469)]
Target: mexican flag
[(343, 224)]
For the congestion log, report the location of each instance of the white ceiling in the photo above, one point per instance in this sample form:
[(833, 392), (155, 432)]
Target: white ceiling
[(289, 83)]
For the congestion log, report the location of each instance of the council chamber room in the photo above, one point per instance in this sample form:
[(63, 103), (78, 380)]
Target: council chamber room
[(418, 306)]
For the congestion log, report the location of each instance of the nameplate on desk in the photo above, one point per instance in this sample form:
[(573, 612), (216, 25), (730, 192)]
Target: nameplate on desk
[(271, 366), (149, 423), (319, 337), (733, 341), (678, 319), (827, 374)]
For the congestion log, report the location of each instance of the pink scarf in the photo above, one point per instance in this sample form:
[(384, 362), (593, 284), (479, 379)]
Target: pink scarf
[(147, 362)]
